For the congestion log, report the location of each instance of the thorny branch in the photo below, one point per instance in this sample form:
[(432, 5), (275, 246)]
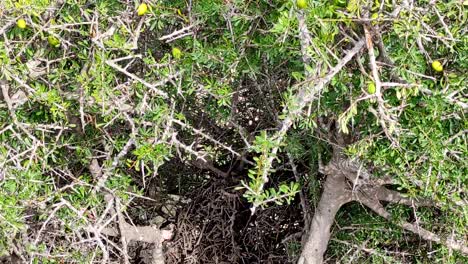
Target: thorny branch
[(304, 96), (6, 98), (126, 231), (115, 162), (383, 117)]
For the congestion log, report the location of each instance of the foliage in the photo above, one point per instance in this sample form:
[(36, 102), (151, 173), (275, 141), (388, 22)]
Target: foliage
[(97, 82)]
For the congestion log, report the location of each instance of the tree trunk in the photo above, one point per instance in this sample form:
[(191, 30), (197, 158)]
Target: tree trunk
[(333, 197)]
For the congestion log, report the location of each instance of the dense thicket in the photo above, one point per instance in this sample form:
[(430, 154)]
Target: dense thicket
[(257, 131)]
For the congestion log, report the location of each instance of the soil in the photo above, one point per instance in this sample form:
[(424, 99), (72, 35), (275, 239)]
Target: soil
[(216, 226)]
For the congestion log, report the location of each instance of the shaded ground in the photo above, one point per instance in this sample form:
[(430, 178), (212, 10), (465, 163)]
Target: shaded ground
[(217, 227), (213, 224)]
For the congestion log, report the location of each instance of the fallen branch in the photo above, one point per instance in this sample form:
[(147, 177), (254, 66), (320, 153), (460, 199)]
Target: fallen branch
[(148, 234), (126, 231)]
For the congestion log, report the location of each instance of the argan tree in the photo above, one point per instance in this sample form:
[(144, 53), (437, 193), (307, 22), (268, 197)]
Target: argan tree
[(350, 112)]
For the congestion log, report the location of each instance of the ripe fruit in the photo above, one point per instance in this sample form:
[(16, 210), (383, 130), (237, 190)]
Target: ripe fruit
[(437, 66), (142, 9), (21, 23), (371, 88), (376, 18), (176, 53), (302, 4), (53, 41)]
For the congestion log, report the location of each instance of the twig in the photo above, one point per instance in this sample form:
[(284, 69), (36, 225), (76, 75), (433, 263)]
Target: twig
[(441, 19), (7, 25), (384, 194), (19, 81), (188, 149), (305, 207), (121, 222), (452, 138), (137, 34), (138, 79), (394, 84), (57, 206), (102, 181), (84, 71), (369, 250), (201, 133), (6, 97), (382, 116), (177, 34)]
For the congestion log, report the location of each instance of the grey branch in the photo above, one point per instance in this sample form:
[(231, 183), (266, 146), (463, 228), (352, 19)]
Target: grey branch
[(306, 95), (384, 194), (335, 195), (115, 162), (377, 207)]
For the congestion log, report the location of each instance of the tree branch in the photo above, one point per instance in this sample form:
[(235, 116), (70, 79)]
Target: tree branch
[(384, 194), (107, 172), (377, 207), (306, 95)]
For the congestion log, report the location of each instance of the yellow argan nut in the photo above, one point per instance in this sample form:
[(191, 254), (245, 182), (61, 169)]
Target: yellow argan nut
[(371, 88), (53, 41), (301, 4), (21, 23), (142, 9), (437, 66), (376, 18), (176, 53)]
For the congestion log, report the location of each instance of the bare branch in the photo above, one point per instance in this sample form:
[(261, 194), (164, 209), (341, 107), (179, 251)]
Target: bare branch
[(305, 207), (107, 172), (377, 207), (183, 32), (384, 194), (136, 78), (386, 120), (206, 136), (6, 97)]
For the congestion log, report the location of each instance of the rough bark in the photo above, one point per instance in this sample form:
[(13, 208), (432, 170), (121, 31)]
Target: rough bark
[(335, 194), (340, 188)]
